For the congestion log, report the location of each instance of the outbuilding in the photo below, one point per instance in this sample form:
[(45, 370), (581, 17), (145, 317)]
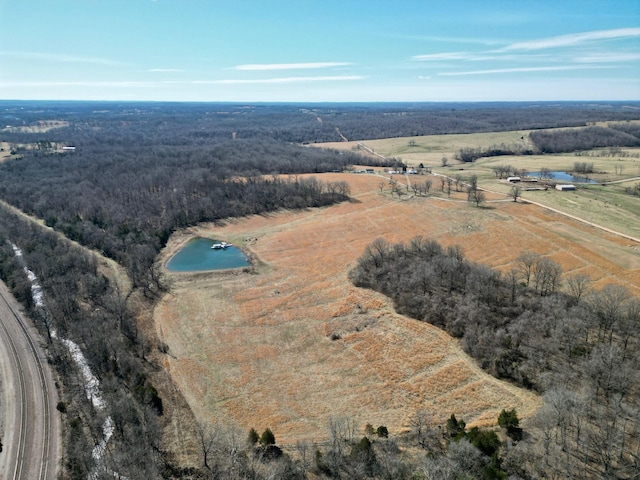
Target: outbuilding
[(564, 188), (513, 179)]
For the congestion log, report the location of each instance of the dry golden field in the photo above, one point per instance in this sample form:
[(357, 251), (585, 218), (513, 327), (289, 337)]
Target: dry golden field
[(256, 348), (40, 127), (430, 149), (5, 151), (605, 204)]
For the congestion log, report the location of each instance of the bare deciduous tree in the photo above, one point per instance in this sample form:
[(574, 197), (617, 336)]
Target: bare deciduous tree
[(515, 192), (578, 285), (476, 196), (608, 304), (547, 276), (526, 262), (207, 438), (422, 423)]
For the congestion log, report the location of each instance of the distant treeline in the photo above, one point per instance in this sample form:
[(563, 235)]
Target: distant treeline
[(579, 348), (140, 171), (566, 140), (126, 201), (572, 140), (470, 154), (198, 124)]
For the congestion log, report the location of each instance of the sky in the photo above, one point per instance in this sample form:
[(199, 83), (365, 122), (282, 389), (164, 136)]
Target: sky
[(320, 50)]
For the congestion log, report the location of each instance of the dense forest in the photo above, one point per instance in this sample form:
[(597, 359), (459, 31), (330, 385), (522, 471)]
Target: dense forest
[(139, 172), (125, 202), (578, 347), (194, 124), (571, 140), (81, 304), (614, 136)]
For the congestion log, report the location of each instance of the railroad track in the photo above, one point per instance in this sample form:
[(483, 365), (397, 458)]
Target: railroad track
[(34, 406)]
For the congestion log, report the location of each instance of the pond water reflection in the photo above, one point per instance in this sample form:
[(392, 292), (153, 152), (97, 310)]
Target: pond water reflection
[(198, 256), (563, 177)]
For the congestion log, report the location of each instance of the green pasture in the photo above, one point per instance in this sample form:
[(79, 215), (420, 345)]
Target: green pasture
[(430, 149), (605, 203), (607, 206)]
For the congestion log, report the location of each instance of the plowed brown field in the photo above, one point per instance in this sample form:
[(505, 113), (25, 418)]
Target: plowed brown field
[(257, 349)]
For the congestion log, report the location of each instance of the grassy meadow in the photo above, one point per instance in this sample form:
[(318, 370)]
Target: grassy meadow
[(295, 343), (605, 203)]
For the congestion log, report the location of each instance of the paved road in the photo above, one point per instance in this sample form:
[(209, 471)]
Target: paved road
[(29, 421)]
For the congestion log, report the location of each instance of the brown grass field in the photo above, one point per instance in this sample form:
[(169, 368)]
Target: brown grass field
[(256, 349), (605, 204), (5, 151), (39, 127)]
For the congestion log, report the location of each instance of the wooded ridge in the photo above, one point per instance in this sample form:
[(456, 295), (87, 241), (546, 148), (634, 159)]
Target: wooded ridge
[(139, 172)]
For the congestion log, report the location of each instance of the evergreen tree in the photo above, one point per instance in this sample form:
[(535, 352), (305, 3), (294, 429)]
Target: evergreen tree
[(267, 438), (509, 420), (253, 437), (455, 427)]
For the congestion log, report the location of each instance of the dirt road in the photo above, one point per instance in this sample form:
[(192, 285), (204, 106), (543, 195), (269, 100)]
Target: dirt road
[(29, 423)]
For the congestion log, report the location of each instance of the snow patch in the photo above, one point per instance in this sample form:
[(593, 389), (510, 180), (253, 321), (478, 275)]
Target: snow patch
[(91, 382), (36, 288)]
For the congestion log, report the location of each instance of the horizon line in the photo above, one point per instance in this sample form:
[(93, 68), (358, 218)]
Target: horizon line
[(298, 102)]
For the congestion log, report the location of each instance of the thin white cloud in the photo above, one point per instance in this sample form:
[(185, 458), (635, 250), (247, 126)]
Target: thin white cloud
[(610, 57), (289, 66), (56, 57), (100, 84), (519, 69), (478, 56), (337, 78), (461, 40), (164, 70), (443, 56), (535, 52), (151, 84), (575, 39)]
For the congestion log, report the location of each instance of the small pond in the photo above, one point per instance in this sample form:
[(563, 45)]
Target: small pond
[(563, 177), (198, 256)]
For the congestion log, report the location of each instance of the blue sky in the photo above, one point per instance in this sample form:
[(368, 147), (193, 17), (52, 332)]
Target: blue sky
[(320, 50)]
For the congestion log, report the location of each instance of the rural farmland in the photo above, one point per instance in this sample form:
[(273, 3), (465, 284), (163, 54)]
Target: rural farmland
[(320, 240), (297, 343), (449, 345)]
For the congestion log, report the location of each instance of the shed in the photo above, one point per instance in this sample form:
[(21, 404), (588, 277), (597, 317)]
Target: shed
[(513, 179), (564, 188)]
